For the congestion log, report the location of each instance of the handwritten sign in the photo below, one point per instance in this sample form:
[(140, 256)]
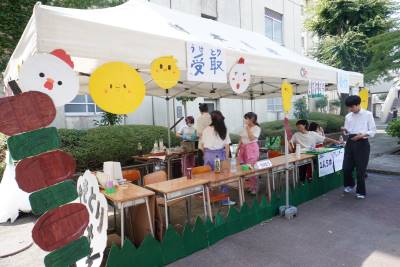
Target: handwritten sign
[(96, 232), (330, 162), (263, 164), (205, 63), (316, 88), (343, 83)]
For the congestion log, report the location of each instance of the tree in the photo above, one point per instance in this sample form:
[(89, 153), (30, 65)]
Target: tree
[(345, 27), (15, 15), (300, 109), (184, 100), (321, 103), (109, 119)]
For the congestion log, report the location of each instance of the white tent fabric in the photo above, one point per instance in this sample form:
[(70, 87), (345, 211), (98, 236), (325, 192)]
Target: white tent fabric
[(138, 32)]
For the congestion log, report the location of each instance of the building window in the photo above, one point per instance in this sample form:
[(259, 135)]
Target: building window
[(273, 25), (209, 9), (211, 104), (274, 104), (82, 105)]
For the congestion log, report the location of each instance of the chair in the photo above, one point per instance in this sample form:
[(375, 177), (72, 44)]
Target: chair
[(131, 175), (214, 196), (274, 154)]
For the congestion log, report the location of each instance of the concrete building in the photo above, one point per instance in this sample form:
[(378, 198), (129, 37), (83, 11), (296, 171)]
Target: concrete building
[(280, 20)]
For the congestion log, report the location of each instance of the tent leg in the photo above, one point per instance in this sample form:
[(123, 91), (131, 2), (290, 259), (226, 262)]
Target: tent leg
[(168, 120)]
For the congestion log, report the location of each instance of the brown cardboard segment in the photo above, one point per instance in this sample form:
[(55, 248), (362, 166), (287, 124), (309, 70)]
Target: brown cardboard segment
[(25, 112), (60, 226), (38, 172)]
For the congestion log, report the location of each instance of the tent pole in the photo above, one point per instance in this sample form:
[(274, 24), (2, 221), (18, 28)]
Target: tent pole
[(287, 168), (168, 119)]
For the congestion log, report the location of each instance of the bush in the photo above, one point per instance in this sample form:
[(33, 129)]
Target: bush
[(275, 128), (393, 128), (300, 109), (92, 147), (333, 122)]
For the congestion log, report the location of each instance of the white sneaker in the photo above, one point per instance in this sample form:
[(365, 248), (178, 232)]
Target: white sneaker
[(348, 189), (359, 196), (228, 203)]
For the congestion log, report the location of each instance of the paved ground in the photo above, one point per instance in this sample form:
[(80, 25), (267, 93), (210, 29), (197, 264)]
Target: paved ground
[(333, 230), (381, 158)]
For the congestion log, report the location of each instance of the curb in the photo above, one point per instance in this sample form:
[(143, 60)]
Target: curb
[(383, 172)]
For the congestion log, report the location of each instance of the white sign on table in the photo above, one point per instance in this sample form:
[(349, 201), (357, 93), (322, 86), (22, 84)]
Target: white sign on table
[(330, 162), (263, 164), (205, 63), (343, 82)]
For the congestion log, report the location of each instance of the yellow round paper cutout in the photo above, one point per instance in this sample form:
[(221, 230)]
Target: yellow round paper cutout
[(363, 94), (165, 72), (287, 93), (117, 88)]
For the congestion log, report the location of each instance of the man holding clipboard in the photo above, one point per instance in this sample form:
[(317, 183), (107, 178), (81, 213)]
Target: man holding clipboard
[(359, 126)]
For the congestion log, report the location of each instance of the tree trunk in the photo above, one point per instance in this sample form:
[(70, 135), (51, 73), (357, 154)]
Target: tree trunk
[(343, 108)]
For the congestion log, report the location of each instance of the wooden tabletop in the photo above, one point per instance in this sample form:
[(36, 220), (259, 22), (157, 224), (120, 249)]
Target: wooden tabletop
[(127, 192), (174, 185), (158, 157)]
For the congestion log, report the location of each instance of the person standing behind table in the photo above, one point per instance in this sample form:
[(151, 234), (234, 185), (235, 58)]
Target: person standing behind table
[(249, 151), (307, 139), (187, 132), (315, 127), (359, 125), (202, 122), (215, 143)]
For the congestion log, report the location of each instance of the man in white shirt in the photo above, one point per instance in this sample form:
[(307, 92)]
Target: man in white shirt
[(359, 126)]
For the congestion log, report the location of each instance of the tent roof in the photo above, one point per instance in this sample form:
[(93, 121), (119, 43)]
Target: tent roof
[(138, 32)]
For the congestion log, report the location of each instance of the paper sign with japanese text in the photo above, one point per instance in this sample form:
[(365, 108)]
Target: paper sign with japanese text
[(205, 63), (343, 82), (316, 88), (330, 162)]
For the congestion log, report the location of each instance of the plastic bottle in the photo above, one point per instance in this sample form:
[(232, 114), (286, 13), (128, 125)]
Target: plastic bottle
[(155, 147), (233, 165), (140, 149), (161, 144), (341, 140), (217, 164), (298, 150)]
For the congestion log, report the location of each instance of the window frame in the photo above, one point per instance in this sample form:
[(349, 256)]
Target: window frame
[(275, 18), (87, 113)]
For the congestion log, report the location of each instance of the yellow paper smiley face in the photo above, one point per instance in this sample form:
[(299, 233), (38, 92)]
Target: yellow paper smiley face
[(363, 94), (165, 72), (287, 93), (117, 88)]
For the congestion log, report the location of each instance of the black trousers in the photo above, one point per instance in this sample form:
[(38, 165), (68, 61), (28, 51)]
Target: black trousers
[(356, 155)]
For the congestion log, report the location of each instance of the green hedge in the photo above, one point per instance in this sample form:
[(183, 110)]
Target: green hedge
[(275, 128), (393, 128), (110, 143), (333, 121)]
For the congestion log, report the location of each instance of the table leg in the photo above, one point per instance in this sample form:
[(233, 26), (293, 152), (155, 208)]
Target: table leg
[(294, 176), (204, 204), (149, 215), (115, 218), (209, 203), (166, 211), (269, 186), (241, 191), (122, 225), (273, 181)]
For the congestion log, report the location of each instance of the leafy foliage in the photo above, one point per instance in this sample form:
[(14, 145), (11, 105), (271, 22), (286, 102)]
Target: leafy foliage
[(275, 128), (383, 96), (300, 109), (110, 143), (321, 103), (332, 122), (15, 15), (335, 103), (345, 27), (109, 119), (393, 129)]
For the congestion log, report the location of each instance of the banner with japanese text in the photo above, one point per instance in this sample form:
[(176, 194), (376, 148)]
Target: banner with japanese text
[(316, 88), (205, 63)]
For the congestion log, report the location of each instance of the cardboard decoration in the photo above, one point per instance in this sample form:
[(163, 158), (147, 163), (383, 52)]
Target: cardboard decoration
[(172, 246), (121, 257), (287, 93), (25, 112), (53, 196), (165, 72), (33, 143), (58, 227), (149, 253), (117, 88), (96, 232), (44, 170), (52, 74), (13, 198), (69, 254), (363, 94), (239, 77)]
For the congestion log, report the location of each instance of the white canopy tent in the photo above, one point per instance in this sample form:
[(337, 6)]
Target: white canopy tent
[(137, 32)]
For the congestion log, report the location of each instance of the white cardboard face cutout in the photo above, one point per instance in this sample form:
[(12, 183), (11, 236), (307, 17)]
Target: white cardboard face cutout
[(13, 199), (239, 77), (52, 74), (90, 196)]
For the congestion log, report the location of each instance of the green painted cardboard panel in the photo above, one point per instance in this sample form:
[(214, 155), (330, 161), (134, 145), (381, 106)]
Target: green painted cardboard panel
[(172, 246), (122, 257), (149, 253), (53, 196), (262, 212), (248, 216), (200, 234), (69, 254), (233, 224), (33, 143), (220, 229)]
